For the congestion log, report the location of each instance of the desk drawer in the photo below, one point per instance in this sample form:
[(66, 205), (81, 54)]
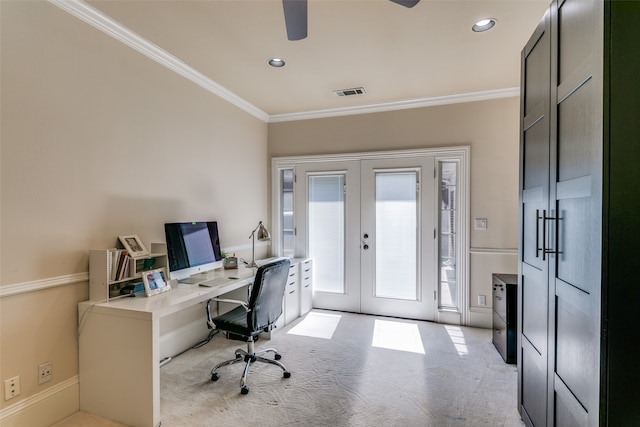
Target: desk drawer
[(291, 304), (500, 336), (504, 339), (306, 272), (292, 279), (500, 300), (306, 285)]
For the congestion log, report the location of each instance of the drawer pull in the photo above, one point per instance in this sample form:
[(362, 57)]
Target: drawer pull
[(498, 297), (498, 331), (292, 292)]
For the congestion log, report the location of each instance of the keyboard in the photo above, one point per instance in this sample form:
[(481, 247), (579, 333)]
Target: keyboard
[(215, 282)]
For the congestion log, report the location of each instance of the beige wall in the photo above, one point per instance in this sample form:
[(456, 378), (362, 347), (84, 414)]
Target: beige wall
[(91, 147), (99, 141), (490, 128)]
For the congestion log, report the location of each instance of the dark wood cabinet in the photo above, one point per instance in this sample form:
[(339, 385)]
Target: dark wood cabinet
[(579, 151), (505, 315)]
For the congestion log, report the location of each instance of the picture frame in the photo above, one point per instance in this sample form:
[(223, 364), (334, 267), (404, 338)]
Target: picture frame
[(155, 282), (133, 245)]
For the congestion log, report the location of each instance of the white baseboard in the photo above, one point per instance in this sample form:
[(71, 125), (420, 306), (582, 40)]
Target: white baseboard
[(45, 408), (481, 317)]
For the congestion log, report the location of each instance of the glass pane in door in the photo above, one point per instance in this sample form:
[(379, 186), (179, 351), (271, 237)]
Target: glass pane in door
[(396, 237), (448, 234), (326, 231), (286, 208)]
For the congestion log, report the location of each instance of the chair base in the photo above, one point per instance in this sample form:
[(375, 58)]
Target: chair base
[(249, 357)]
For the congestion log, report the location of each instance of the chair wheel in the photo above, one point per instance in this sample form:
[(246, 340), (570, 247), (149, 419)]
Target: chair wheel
[(277, 356), (287, 374), (215, 376), (244, 390)]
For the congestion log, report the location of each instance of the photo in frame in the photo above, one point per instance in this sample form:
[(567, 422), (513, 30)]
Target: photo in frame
[(134, 246), (155, 282)]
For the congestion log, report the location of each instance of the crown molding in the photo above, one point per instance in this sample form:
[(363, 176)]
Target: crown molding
[(111, 27), (398, 105)]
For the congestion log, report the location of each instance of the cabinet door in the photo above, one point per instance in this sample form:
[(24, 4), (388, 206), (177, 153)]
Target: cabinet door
[(577, 193), (534, 208)]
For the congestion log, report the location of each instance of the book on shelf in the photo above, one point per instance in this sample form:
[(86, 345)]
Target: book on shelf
[(119, 264), (113, 258)]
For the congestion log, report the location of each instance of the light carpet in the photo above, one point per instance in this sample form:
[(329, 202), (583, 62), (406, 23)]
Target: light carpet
[(354, 376)]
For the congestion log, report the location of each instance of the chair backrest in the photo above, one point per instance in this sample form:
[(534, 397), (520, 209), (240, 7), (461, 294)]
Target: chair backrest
[(267, 294)]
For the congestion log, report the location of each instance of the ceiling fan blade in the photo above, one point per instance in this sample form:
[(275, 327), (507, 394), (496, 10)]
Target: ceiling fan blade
[(295, 18), (406, 3)]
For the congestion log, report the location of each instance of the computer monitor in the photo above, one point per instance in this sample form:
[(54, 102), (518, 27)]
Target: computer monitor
[(192, 248)]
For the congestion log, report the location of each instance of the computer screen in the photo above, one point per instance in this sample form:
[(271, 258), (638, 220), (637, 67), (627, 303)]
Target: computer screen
[(192, 247)]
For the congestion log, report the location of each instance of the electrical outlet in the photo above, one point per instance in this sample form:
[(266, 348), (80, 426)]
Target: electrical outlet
[(11, 387), (482, 300), (45, 372), (481, 223)]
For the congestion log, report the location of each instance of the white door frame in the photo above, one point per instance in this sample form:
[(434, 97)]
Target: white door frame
[(458, 153)]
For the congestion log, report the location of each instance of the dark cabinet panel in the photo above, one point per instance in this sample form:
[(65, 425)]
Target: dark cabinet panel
[(579, 232), (533, 397)]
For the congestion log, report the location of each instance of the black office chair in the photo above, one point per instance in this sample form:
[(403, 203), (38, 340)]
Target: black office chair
[(248, 320)]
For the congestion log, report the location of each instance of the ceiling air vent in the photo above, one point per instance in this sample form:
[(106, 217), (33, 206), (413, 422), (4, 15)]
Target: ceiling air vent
[(349, 92)]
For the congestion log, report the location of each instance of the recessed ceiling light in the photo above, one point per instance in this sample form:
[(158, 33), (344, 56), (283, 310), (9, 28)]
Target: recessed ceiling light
[(276, 62), (484, 25)]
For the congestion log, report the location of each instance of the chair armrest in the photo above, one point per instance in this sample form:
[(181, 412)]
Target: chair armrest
[(210, 323), (231, 301)]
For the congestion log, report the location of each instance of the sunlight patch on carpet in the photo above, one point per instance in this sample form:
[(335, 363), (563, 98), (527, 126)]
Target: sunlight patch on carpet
[(317, 325), (397, 336), (457, 338)]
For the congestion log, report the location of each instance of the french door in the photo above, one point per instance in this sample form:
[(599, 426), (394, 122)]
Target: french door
[(398, 248), (369, 225), (327, 211)]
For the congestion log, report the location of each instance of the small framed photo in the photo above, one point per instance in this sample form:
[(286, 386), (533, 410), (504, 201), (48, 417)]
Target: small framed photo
[(134, 246), (155, 282)]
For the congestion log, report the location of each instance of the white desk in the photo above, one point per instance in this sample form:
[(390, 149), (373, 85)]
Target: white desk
[(119, 345)]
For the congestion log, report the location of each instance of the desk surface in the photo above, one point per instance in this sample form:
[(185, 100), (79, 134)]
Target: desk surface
[(179, 297)]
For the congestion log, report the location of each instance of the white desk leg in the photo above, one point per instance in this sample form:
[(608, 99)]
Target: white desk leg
[(119, 367)]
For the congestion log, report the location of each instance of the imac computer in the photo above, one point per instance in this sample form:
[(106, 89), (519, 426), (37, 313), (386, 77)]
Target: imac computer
[(192, 248)]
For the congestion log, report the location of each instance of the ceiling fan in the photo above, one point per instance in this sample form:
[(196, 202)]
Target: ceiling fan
[(295, 16)]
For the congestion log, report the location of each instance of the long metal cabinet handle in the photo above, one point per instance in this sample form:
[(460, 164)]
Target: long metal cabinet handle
[(538, 217), (544, 219), (544, 234)]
